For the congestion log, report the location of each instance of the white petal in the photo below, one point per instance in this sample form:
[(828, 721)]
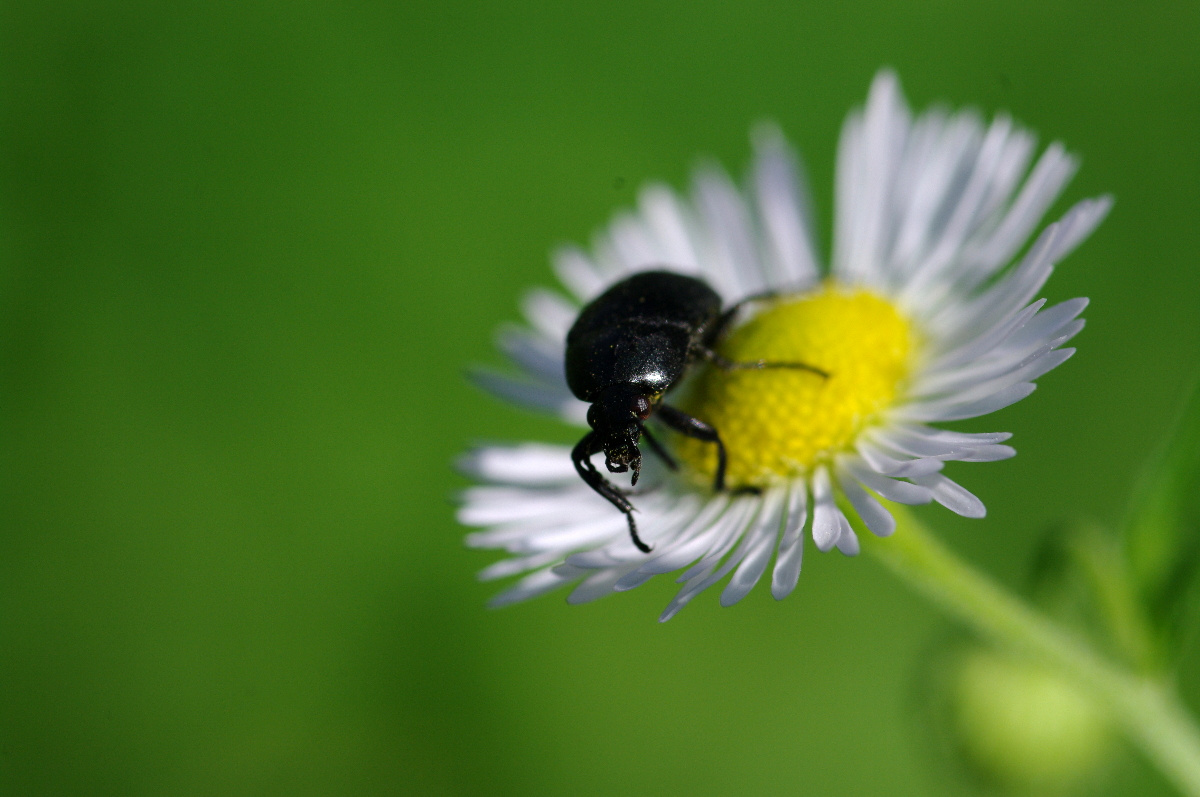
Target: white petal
[(881, 462), (578, 273), (557, 531), (979, 343), (953, 496), (549, 313), (668, 221), (1042, 363), (874, 516), (999, 159), (597, 529), (987, 454), (485, 506), (847, 541), (951, 411), (555, 399), (540, 357), (931, 178), (611, 262), (1046, 325), (791, 543), (511, 567), (983, 385), (595, 586), (632, 244), (527, 463), (911, 443), (531, 586), (595, 559), (759, 549), (746, 511), (964, 438), (826, 528), (695, 540), (1043, 186), (1084, 218), (732, 260), (743, 511), (1018, 287), (661, 525), (994, 372), (783, 203), (891, 489), (876, 141)]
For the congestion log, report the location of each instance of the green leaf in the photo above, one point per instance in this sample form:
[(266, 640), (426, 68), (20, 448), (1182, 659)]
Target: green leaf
[(1162, 527), (1082, 579)]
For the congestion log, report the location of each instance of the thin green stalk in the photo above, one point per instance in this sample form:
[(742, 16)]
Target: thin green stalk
[(1148, 710)]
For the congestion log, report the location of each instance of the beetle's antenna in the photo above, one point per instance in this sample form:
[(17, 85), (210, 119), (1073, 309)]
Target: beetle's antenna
[(657, 448)]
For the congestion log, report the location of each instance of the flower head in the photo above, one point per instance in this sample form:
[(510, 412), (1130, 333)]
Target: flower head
[(921, 317)]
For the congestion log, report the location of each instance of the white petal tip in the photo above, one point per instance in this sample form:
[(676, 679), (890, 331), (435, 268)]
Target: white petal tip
[(886, 82), (1102, 205), (848, 544)]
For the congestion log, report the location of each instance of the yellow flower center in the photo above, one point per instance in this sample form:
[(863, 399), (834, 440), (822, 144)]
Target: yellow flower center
[(781, 422)]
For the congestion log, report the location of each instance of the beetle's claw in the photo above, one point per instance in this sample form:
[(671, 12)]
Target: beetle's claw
[(633, 535)]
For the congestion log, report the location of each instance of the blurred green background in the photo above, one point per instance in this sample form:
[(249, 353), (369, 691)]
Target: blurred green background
[(248, 250)]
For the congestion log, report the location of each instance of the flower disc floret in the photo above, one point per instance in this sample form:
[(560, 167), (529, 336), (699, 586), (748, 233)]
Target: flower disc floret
[(778, 423)]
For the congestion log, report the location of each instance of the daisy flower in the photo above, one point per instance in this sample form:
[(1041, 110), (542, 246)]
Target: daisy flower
[(921, 317)]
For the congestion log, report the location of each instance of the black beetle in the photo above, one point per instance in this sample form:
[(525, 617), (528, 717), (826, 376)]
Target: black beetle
[(628, 347)]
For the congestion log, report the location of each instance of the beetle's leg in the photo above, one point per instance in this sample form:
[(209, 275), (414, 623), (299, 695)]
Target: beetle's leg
[(582, 457), (657, 448), (694, 427), (726, 318), (706, 350), (755, 365)]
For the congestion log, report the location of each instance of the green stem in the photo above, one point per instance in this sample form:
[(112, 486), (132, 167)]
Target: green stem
[(1148, 710)]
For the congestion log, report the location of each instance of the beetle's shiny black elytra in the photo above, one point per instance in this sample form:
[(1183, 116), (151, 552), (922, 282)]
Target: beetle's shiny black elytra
[(628, 347)]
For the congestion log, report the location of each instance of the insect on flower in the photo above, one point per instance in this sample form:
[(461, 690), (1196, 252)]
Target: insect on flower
[(629, 347), (926, 312)]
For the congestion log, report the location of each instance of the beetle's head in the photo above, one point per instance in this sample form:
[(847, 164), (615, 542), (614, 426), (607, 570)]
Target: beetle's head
[(616, 415)]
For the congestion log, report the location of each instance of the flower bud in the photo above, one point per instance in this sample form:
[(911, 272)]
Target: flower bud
[(1023, 727)]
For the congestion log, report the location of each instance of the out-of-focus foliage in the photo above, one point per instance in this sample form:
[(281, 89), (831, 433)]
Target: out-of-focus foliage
[(1130, 588), (1162, 532)]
